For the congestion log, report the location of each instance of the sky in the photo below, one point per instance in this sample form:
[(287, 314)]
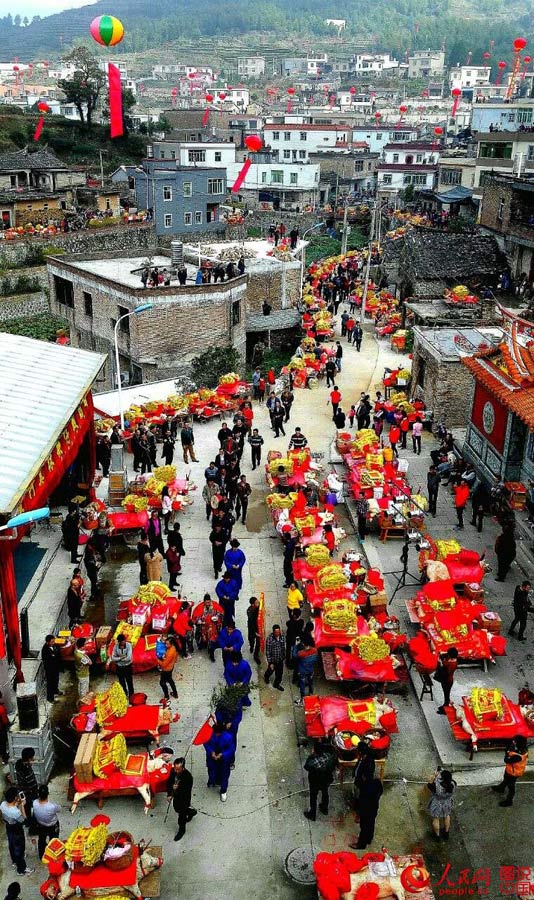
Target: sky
[(39, 7)]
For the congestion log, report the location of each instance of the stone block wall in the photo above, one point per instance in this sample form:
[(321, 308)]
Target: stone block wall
[(118, 238), (23, 306), (446, 387)]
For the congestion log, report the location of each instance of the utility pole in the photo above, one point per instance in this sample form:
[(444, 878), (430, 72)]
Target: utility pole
[(346, 230), (368, 266)]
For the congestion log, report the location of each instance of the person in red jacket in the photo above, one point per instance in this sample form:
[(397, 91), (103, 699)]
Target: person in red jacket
[(394, 435), (461, 496), (404, 426), (335, 400), (183, 629)]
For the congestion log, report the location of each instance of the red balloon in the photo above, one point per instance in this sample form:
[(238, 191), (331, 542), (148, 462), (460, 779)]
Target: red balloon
[(209, 98), (253, 142), (438, 130), (486, 55), (456, 92), (291, 91), (501, 64), (520, 44)]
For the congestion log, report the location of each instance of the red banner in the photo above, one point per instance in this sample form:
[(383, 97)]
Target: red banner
[(115, 101), (490, 417), (61, 457)]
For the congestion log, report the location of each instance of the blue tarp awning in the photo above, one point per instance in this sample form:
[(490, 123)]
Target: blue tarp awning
[(455, 195)]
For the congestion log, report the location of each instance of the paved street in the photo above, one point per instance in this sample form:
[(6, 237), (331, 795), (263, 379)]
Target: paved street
[(239, 849)]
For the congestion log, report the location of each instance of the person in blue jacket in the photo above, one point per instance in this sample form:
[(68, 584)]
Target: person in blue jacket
[(220, 751), (237, 671), (234, 560), (230, 718), (230, 639), (227, 591)]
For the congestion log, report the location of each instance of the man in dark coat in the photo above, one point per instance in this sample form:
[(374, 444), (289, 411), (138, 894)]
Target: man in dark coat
[(320, 767), (370, 792), (179, 790), (143, 547), (522, 606), (505, 548), (50, 660)]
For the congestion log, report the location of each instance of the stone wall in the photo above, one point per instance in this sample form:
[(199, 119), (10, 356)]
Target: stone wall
[(109, 240), (446, 386), (23, 306)]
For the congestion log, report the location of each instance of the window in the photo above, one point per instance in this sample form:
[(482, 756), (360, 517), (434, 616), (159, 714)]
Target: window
[(167, 192), (264, 177), (293, 178), (215, 186), (276, 135), (195, 156), (379, 137), (419, 158), (421, 372), (124, 324), (167, 220), (303, 136), (64, 291), (277, 176), (88, 304), (496, 151), (188, 188), (395, 157), (188, 218), (287, 135), (500, 209), (162, 154), (287, 154), (218, 156), (358, 165), (451, 176), (13, 180), (236, 312), (524, 116), (302, 154), (198, 217), (387, 179), (414, 179)]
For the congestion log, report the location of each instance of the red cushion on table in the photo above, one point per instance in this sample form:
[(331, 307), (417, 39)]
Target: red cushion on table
[(115, 782), (136, 718), (102, 877), (124, 521)]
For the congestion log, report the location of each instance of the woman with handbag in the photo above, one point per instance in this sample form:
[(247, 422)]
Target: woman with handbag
[(442, 786), (44, 820)]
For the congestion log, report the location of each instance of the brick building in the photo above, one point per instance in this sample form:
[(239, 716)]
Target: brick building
[(438, 376), (507, 212), (430, 262), (92, 291)]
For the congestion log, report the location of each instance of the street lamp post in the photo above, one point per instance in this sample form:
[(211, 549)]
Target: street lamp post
[(303, 252), (135, 312)]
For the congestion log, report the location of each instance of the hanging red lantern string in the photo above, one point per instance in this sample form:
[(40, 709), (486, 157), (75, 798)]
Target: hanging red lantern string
[(501, 67), (43, 108), (526, 60), (205, 118), (174, 94), (519, 45), (291, 92), (253, 143), (456, 94)]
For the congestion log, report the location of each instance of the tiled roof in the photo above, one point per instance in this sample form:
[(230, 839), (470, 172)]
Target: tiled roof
[(307, 127), (23, 159), (497, 370), (433, 256)]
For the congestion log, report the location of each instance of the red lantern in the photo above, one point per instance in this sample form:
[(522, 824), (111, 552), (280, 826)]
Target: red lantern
[(456, 93), (291, 91), (486, 55), (438, 131), (352, 90), (378, 115), (403, 109), (191, 75), (501, 65), (174, 91), (424, 93), (209, 98), (43, 108), (221, 95), (527, 59), (519, 44), (16, 69), (253, 142), (46, 64)]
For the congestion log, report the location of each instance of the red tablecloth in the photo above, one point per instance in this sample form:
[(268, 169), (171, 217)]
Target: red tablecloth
[(126, 521), (137, 719), (102, 877), (323, 713), (352, 668), (505, 729), (324, 638)]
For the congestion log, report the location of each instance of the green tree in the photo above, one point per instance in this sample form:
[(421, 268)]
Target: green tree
[(85, 84), (207, 368)]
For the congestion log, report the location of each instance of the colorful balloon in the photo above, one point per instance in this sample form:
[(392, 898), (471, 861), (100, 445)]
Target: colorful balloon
[(107, 30)]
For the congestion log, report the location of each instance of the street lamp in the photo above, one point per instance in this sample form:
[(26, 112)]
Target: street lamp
[(303, 252), (135, 312)]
